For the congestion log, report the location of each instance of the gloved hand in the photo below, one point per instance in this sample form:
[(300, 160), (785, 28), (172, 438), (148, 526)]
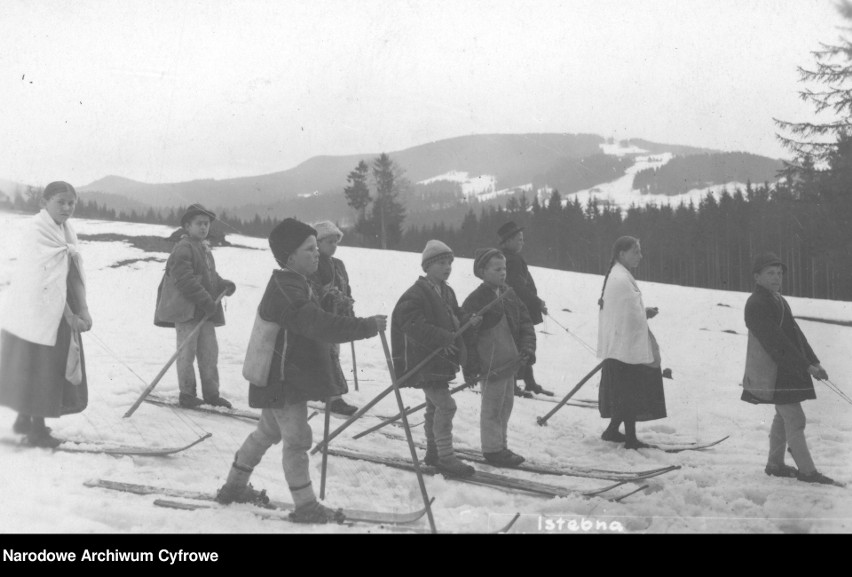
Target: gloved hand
[(209, 307), (528, 357), (230, 288)]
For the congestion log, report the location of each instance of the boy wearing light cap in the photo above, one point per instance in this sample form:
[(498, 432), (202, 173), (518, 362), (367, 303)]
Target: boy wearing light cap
[(331, 281), (426, 318), (503, 341), (301, 370)]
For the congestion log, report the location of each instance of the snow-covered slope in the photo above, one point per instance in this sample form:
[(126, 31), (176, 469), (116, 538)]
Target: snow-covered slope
[(720, 490)]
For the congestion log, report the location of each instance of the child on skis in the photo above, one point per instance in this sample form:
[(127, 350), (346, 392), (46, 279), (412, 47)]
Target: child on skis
[(425, 319), (186, 296), (496, 348), (300, 369)]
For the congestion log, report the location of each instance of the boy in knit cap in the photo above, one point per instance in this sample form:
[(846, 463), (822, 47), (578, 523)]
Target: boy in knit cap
[(332, 285), (186, 295), (301, 370), (425, 319), (504, 340)]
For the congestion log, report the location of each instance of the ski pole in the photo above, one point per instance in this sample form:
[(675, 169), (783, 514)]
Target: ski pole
[(426, 501), (500, 369), (162, 372), (578, 339), (404, 377), (543, 420), (354, 365), (325, 448)]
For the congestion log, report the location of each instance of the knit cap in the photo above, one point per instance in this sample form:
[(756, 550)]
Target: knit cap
[(435, 250), (327, 228), (481, 258), (287, 236)]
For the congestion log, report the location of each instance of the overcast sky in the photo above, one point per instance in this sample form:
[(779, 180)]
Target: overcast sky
[(165, 91)]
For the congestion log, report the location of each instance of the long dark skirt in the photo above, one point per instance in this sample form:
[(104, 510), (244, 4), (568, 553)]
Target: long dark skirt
[(32, 377), (631, 392)]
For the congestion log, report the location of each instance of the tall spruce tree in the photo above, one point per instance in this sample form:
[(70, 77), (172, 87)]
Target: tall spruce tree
[(358, 192)]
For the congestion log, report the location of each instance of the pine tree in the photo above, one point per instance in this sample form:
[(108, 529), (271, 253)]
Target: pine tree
[(358, 192)]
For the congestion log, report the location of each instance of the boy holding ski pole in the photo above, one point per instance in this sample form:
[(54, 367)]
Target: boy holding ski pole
[(506, 333)]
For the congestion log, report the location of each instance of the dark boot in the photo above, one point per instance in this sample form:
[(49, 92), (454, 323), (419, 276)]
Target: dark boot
[(503, 458), (237, 489), (431, 457), (452, 467), (23, 424), (220, 402), (39, 435), (315, 512), (781, 471), (815, 477), (615, 436), (189, 401), (341, 407)]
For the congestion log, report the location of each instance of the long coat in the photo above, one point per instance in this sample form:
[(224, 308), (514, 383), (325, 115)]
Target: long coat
[(189, 283), (519, 278), (304, 342), (770, 321), (517, 317), (421, 322)]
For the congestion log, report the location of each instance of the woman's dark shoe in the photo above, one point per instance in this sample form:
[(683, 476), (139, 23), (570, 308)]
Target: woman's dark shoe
[(41, 437), (613, 436), (816, 477), (23, 425), (781, 471)]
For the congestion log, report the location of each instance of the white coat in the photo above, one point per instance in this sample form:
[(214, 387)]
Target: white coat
[(623, 332)]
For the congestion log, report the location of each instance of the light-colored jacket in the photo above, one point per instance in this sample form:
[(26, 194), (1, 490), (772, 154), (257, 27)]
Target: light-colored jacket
[(623, 332)]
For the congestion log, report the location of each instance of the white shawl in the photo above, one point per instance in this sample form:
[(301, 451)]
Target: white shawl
[(37, 295), (623, 332)]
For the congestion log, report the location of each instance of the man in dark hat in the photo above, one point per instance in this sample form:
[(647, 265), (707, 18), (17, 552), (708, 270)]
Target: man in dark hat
[(300, 370), (779, 367), (519, 278)]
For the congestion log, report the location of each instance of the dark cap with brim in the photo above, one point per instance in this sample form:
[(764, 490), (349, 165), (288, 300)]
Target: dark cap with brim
[(195, 210), (508, 230), (765, 260)]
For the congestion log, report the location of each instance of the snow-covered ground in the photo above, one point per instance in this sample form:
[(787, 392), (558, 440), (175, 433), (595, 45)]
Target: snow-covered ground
[(723, 489)]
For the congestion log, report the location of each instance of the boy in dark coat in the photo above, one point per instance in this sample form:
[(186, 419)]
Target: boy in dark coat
[(779, 367), (504, 339), (519, 278), (186, 294), (301, 370), (425, 319), (331, 281)]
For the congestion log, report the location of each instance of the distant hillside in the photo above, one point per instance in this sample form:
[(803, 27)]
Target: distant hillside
[(514, 159), (570, 175), (684, 173)]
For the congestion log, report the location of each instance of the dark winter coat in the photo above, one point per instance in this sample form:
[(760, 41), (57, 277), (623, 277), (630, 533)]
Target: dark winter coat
[(423, 321), (189, 284), (331, 282), (518, 277), (304, 342), (771, 322), (517, 317)]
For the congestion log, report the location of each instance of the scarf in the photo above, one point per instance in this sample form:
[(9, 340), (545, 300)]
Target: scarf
[(38, 293)]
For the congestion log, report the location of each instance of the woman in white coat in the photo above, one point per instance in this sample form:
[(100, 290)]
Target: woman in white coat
[(631, 386)]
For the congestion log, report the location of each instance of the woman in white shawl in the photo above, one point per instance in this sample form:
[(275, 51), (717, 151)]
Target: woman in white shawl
[(42, 369), (631, 386)]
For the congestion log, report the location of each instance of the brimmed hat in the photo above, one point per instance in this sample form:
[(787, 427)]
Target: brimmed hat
[(435, 250), (287, 236), (767, 259), (481, 257), (327, 228), (508, 230), (194, 210)]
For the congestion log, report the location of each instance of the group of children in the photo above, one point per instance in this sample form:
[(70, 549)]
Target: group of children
[(309, 302)]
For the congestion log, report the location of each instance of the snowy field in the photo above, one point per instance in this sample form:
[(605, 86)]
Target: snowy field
[(722, 489)]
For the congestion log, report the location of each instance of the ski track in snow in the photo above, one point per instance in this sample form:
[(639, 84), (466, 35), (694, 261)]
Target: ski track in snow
[(723, 489)]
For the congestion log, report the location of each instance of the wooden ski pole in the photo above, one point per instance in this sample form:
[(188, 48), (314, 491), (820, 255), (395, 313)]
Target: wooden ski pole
[(162, 372), (354, 365), (543, 420), (453, 391), (325, 447), (426, 501), (403, 378)]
